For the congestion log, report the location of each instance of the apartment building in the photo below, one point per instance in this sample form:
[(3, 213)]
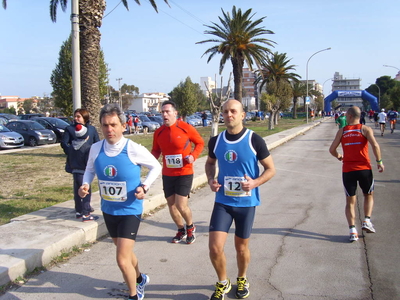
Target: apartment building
[(346, 84), (148, 102)]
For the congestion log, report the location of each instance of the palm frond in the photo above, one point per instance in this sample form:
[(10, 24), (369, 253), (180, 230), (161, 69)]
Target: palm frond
[(53, 8)]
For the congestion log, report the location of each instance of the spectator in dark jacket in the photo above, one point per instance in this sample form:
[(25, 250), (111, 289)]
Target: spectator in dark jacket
[(76, 143)]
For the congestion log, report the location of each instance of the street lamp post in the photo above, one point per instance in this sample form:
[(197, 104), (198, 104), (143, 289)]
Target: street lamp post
[(391, 67), (398, 73), (76, 64), (307, 98), (379, 94), (119, 92)]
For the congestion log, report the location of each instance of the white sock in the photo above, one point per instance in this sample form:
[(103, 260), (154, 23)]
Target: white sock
[(353, 230), (224, 282)]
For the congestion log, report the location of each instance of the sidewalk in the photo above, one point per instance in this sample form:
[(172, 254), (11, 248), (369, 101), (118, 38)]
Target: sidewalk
[(34, 239)]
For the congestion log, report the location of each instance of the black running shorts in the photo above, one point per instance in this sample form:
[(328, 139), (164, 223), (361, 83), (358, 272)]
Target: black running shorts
[(223, 215), (180, 185), (364, 178), (122, 226)]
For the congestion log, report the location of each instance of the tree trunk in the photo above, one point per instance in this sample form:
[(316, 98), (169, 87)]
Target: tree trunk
[(294, 107), (271, 120), (237, 63), (276, 117), (215, 117), (214, 129), (91, 15)]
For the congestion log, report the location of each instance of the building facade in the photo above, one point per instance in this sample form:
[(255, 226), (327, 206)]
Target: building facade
[(249, 87), (207, 82), (148, 102), (345, 84)]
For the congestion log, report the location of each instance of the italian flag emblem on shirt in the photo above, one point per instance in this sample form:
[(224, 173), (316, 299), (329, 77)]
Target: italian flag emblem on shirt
[(110, 171), (230, 156)]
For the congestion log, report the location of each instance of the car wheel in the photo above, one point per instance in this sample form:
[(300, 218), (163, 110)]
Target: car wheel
[(32, 141)]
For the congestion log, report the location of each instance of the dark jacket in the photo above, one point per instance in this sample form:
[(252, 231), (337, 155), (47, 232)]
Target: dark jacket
[(77, 149)]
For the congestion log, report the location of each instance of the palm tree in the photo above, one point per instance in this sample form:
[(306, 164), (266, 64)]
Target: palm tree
[(276, 69), (299, 90), (239, 40), (276, 75), (91, 15)]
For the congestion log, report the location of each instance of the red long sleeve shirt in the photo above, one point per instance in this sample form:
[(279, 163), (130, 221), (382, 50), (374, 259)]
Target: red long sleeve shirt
[(175, 143)]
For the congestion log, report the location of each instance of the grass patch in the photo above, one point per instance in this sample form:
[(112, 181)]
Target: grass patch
[(36, 178)]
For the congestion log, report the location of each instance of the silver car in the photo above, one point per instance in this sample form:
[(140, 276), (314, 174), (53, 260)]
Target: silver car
[(34, 134), (147, 123), (10, 139)]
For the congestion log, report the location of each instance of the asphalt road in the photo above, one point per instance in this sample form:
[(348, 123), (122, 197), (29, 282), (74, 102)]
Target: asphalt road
[(299, 245)]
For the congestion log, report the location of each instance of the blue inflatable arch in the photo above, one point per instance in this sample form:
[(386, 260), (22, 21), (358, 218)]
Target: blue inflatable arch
[(351, 94)]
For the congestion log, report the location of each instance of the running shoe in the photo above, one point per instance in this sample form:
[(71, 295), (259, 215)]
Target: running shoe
[(242, 290), (180, 235), (353, 237), (190, 238), (368, 227), (221, 290), (140, 286), (78, 215), (89, 218)]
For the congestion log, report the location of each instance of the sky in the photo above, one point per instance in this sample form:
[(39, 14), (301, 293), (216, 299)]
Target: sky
[(157, 51)]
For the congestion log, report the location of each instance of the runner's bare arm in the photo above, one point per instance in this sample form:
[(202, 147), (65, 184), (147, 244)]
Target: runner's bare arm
[(335, 144)]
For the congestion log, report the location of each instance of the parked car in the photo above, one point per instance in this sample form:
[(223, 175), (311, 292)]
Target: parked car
[(55, 124), (192, 121), (5, 118), (66, 119), (248, 116), (147, 123), (157, 119), (30, 116), (10, 139), (34, 134)]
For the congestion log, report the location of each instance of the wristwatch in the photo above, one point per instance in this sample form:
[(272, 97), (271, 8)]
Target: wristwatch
[(145, 189)]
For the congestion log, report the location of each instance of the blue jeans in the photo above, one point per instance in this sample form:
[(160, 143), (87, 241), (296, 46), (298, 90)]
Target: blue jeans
[(82, 205)]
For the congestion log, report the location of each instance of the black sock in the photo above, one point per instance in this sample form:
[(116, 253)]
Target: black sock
[(368, 217), (189, 226), (133, 298), (139, 279), (352, 226)]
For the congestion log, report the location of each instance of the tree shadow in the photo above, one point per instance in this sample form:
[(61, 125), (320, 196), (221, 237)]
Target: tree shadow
[(60, 283), (296, 233)]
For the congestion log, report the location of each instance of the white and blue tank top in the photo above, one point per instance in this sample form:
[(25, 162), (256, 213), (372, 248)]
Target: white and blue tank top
[(118, 179)]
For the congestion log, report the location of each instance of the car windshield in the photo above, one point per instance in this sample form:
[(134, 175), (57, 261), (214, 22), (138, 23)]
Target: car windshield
[(9, 116), (144, 119), (36, 126), (4, 129), (59, 123)]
